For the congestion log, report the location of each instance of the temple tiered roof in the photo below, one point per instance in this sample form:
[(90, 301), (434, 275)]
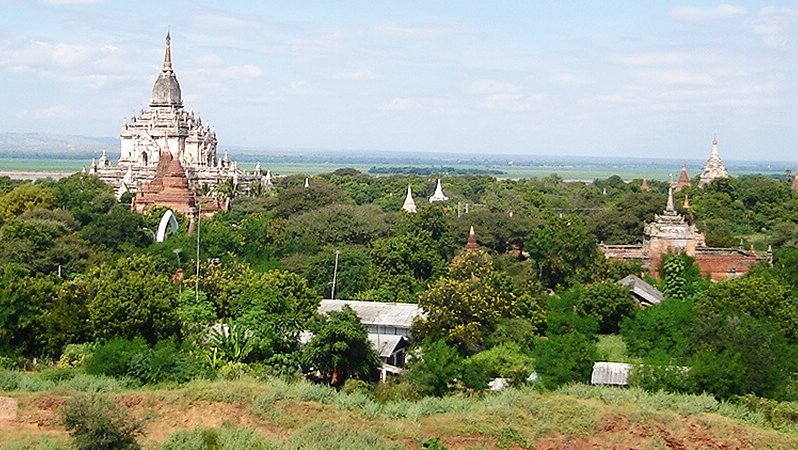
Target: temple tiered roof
[(169, 188), (684, 180)]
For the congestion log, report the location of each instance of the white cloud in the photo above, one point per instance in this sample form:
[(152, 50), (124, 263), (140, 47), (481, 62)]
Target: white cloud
[(655, 58), (40, 54), (399, 104), (413, 32), (483, 87), (571, 79), (50, 112), (677, 77), (356, 75), (73, 2), (773, 24), (697, 13), (224, 21), (500, 95)]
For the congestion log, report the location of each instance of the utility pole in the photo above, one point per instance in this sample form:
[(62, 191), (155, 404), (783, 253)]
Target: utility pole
[(335, 275), (196, 282)]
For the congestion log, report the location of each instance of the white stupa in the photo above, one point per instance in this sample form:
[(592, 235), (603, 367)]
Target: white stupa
[(307, 183), (409, 204), (438, 195), (714, 167)]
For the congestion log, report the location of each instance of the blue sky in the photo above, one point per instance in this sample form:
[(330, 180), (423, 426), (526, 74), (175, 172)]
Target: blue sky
[(600, 78)]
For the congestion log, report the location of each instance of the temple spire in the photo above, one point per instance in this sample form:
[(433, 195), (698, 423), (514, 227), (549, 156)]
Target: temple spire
[(438, 195), (409, 204), (669, 206), (471, 243), (167, 57)]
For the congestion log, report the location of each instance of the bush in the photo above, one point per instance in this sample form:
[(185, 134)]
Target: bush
[(333, 436), (660, 330), (226, 438), (608, 302), (165, 362), (74, 355), (133, 358), (113, 358), (566, 358), (97, 423), (437, 368), (655, 377), (57, 374), (11, 380), (505, 361)]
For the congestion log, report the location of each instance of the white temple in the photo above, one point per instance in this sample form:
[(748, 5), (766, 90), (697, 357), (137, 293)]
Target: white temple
[(714, 168), (409, 205), (438, 196), (165, 126)]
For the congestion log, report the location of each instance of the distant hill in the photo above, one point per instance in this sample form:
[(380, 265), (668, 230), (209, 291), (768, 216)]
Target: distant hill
[(31, 144)]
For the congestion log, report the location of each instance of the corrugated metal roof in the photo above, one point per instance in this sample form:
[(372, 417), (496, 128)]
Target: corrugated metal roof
[(386, 344), (642, 290), (610, 373), (400, 315)]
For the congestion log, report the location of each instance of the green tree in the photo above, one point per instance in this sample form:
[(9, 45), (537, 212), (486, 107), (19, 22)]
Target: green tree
[(759, 297), (467, 304), (736, 354), (340, 349), (117, 229), (354, 267), (609, 303), (505, 361), (134, 297), (404, 263), (661, 331), (23, 303), (434, 372), (565, 358), (564, 251), (25, 197)]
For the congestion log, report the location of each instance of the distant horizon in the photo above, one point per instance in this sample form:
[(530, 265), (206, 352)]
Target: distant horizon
[(254, 151), (623, 79)]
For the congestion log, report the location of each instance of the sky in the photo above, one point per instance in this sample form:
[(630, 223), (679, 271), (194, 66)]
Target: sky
[(598, 78)]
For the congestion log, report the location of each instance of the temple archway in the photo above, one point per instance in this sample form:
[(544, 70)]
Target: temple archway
[(168, 220), (144, 158)]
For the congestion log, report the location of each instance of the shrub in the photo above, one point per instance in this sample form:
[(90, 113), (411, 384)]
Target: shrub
[(165, 362), (505, 361), (566, 358), (11, 380), (353, 385), (435, 371), (226, 438), (97, 423), (655, 377), (57, 374), (113, 357), (608, 302), (74, 355), (660, 330), (333, 436), (133, 358)]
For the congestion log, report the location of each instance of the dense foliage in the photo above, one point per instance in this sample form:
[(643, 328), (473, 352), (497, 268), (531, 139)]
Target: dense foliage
[(80, 270)]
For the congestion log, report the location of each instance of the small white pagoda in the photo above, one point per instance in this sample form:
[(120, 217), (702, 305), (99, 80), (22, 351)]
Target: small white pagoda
[(438, 195), (409, 204)]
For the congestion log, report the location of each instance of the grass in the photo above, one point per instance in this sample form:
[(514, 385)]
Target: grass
[(279, 414), (612, 348)]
